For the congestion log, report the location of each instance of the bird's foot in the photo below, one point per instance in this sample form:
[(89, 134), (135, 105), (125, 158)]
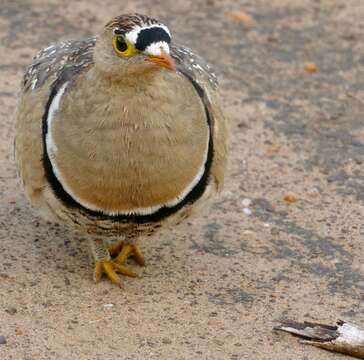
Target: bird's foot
[(123, 251), (110, 269)]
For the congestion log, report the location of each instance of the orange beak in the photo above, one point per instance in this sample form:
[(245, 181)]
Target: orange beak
[(165, 60)]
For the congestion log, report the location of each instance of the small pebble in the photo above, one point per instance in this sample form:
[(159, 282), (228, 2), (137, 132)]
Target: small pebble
[(247, 211), (313, 193), (108, 306), (11, 310), (241, 16), (358, 160), (311, 68), (246, 202), (2, 340), (290, 197)]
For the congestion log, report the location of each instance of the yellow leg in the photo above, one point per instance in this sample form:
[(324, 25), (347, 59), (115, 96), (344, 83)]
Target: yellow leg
[(130, 250), (115, 249), (105, 266), (110, 269), (138, 255)]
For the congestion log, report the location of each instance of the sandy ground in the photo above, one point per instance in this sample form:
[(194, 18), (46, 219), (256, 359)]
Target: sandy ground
[(213, 287)]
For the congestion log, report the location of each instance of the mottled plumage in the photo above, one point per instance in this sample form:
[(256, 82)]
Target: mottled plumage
[(117, 146)]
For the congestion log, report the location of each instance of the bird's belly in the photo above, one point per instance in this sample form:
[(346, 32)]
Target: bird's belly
[(133, 169)]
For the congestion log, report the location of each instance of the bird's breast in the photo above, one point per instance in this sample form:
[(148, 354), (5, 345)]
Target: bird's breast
[(123, 150)]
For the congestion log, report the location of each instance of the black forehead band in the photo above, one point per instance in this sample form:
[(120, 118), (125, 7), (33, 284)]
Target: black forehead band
[(151, 35)]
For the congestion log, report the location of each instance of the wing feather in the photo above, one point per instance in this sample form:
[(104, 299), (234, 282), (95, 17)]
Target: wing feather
[(197, 70)]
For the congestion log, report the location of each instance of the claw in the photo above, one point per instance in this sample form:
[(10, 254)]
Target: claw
[(138, 255), (110, 269), (130, 250)]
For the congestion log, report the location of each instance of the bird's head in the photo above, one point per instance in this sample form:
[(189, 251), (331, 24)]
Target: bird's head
[(132, 44)]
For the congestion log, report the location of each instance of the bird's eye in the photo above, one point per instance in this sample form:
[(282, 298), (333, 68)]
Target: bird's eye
[(122, 46)]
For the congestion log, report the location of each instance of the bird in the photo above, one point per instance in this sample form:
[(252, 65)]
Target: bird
[(118, 136)]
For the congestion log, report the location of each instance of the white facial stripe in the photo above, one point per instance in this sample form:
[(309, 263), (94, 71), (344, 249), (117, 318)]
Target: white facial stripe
[(52, 151), (155, 48), (132, 36)]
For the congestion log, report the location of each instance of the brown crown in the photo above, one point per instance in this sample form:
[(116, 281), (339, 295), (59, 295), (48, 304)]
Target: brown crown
[(128, 22)]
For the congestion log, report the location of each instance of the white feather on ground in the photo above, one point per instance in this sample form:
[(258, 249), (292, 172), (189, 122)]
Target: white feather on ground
[(343, 338)]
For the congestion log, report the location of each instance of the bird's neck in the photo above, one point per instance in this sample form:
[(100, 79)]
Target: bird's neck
[(140, 76)]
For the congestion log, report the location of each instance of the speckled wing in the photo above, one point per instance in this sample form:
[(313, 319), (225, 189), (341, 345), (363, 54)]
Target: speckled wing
[(205, 82), (52, 64), (56, 59), (194, 66)]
